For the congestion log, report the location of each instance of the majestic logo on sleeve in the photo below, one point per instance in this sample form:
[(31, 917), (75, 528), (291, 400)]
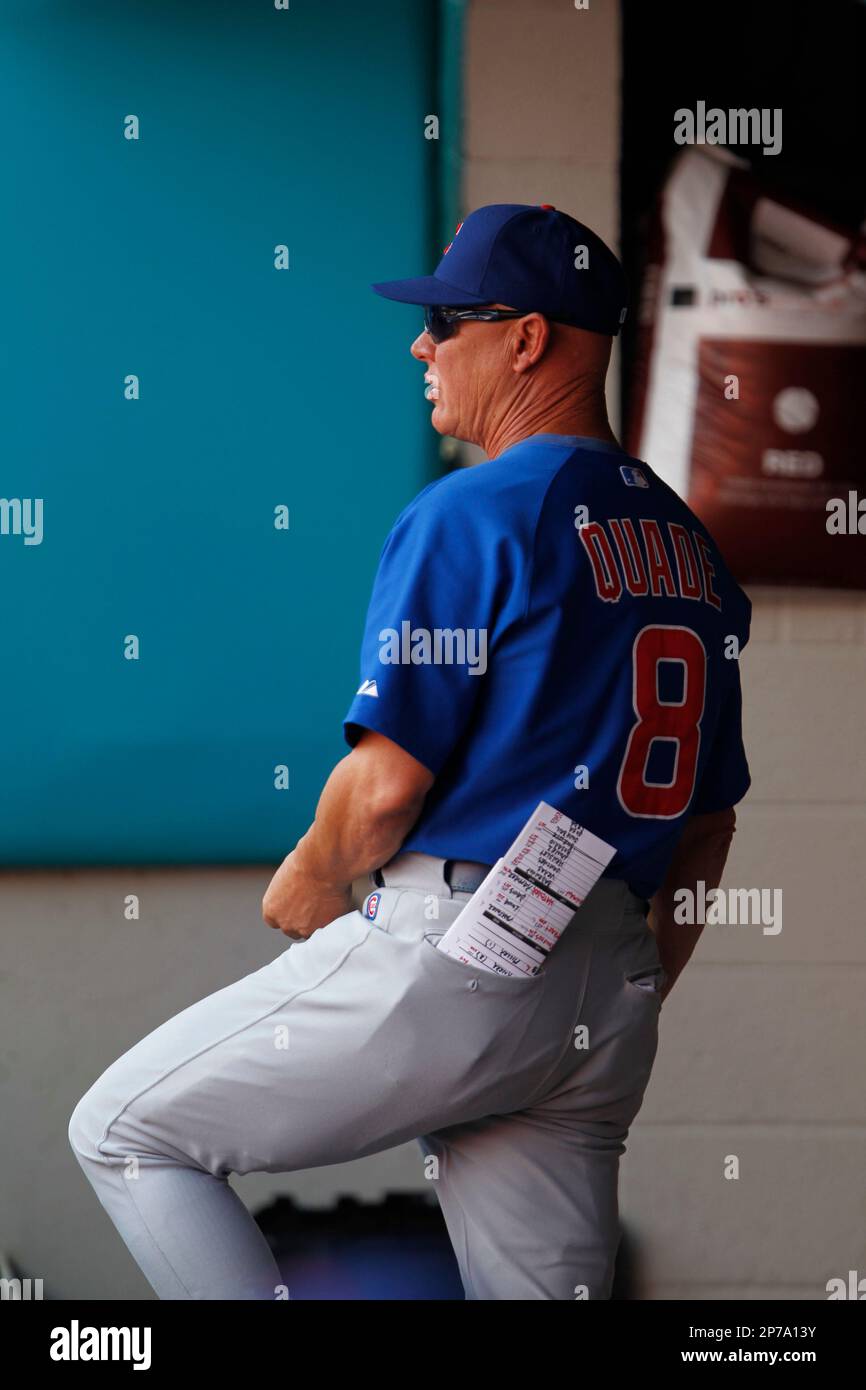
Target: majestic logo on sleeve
[(368, 687)]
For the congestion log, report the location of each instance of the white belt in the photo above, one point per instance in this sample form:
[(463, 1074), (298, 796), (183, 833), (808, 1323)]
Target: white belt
[(410, 869)]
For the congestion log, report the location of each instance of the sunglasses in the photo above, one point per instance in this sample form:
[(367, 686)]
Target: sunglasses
[(441, 322)]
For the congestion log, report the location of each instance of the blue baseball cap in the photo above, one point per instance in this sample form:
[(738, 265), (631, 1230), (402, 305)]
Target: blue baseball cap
[(528, 256)]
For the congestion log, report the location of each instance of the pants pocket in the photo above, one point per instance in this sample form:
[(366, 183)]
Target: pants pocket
[(648, 981), (475, 976)]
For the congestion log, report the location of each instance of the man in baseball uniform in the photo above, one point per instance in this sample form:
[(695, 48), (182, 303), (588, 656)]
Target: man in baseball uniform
[(553, 624)]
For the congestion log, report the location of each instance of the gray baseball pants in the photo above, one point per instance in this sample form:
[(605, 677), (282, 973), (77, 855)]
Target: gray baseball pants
[(519, 1091)]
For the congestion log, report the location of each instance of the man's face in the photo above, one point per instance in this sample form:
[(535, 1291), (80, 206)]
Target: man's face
[(464, 375)]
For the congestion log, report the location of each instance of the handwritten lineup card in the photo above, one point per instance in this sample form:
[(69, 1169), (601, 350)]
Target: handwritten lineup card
[(515, 918)]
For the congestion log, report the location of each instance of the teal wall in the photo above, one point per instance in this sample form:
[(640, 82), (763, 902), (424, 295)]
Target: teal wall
[(258, 387)]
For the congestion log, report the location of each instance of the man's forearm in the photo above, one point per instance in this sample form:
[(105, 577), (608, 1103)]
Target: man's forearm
[(357, 827), (368, 805), (700, 855)]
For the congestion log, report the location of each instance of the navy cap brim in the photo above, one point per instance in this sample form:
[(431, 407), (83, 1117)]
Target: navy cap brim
[(426, 289)]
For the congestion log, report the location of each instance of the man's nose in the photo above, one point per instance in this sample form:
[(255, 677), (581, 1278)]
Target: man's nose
[(423, 347)]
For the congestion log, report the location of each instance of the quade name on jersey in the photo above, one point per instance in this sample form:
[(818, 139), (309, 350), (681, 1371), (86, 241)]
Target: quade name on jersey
[(647, 559)]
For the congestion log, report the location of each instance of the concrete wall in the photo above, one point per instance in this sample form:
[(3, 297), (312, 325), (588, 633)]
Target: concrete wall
[(761, 1045), (542, 118)]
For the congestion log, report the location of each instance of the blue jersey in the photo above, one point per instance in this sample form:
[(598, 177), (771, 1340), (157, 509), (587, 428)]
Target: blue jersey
[(556, 624)]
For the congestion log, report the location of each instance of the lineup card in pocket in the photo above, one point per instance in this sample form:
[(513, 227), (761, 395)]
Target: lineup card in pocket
[(515, 918)]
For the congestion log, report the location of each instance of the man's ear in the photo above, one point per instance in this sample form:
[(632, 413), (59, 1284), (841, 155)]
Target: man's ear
[(531, 336)]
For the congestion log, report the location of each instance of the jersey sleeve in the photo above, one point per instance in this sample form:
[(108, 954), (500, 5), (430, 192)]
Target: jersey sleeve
[(726, 777), (430, 621)]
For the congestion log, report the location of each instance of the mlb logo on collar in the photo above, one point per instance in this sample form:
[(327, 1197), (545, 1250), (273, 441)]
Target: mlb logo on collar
[(633, 477)]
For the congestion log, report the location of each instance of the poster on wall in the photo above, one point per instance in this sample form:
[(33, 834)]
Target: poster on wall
[(749, 393)]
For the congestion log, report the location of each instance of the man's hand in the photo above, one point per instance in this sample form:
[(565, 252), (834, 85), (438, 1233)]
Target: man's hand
[(700, 855), (299, 904), (369, 804)]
